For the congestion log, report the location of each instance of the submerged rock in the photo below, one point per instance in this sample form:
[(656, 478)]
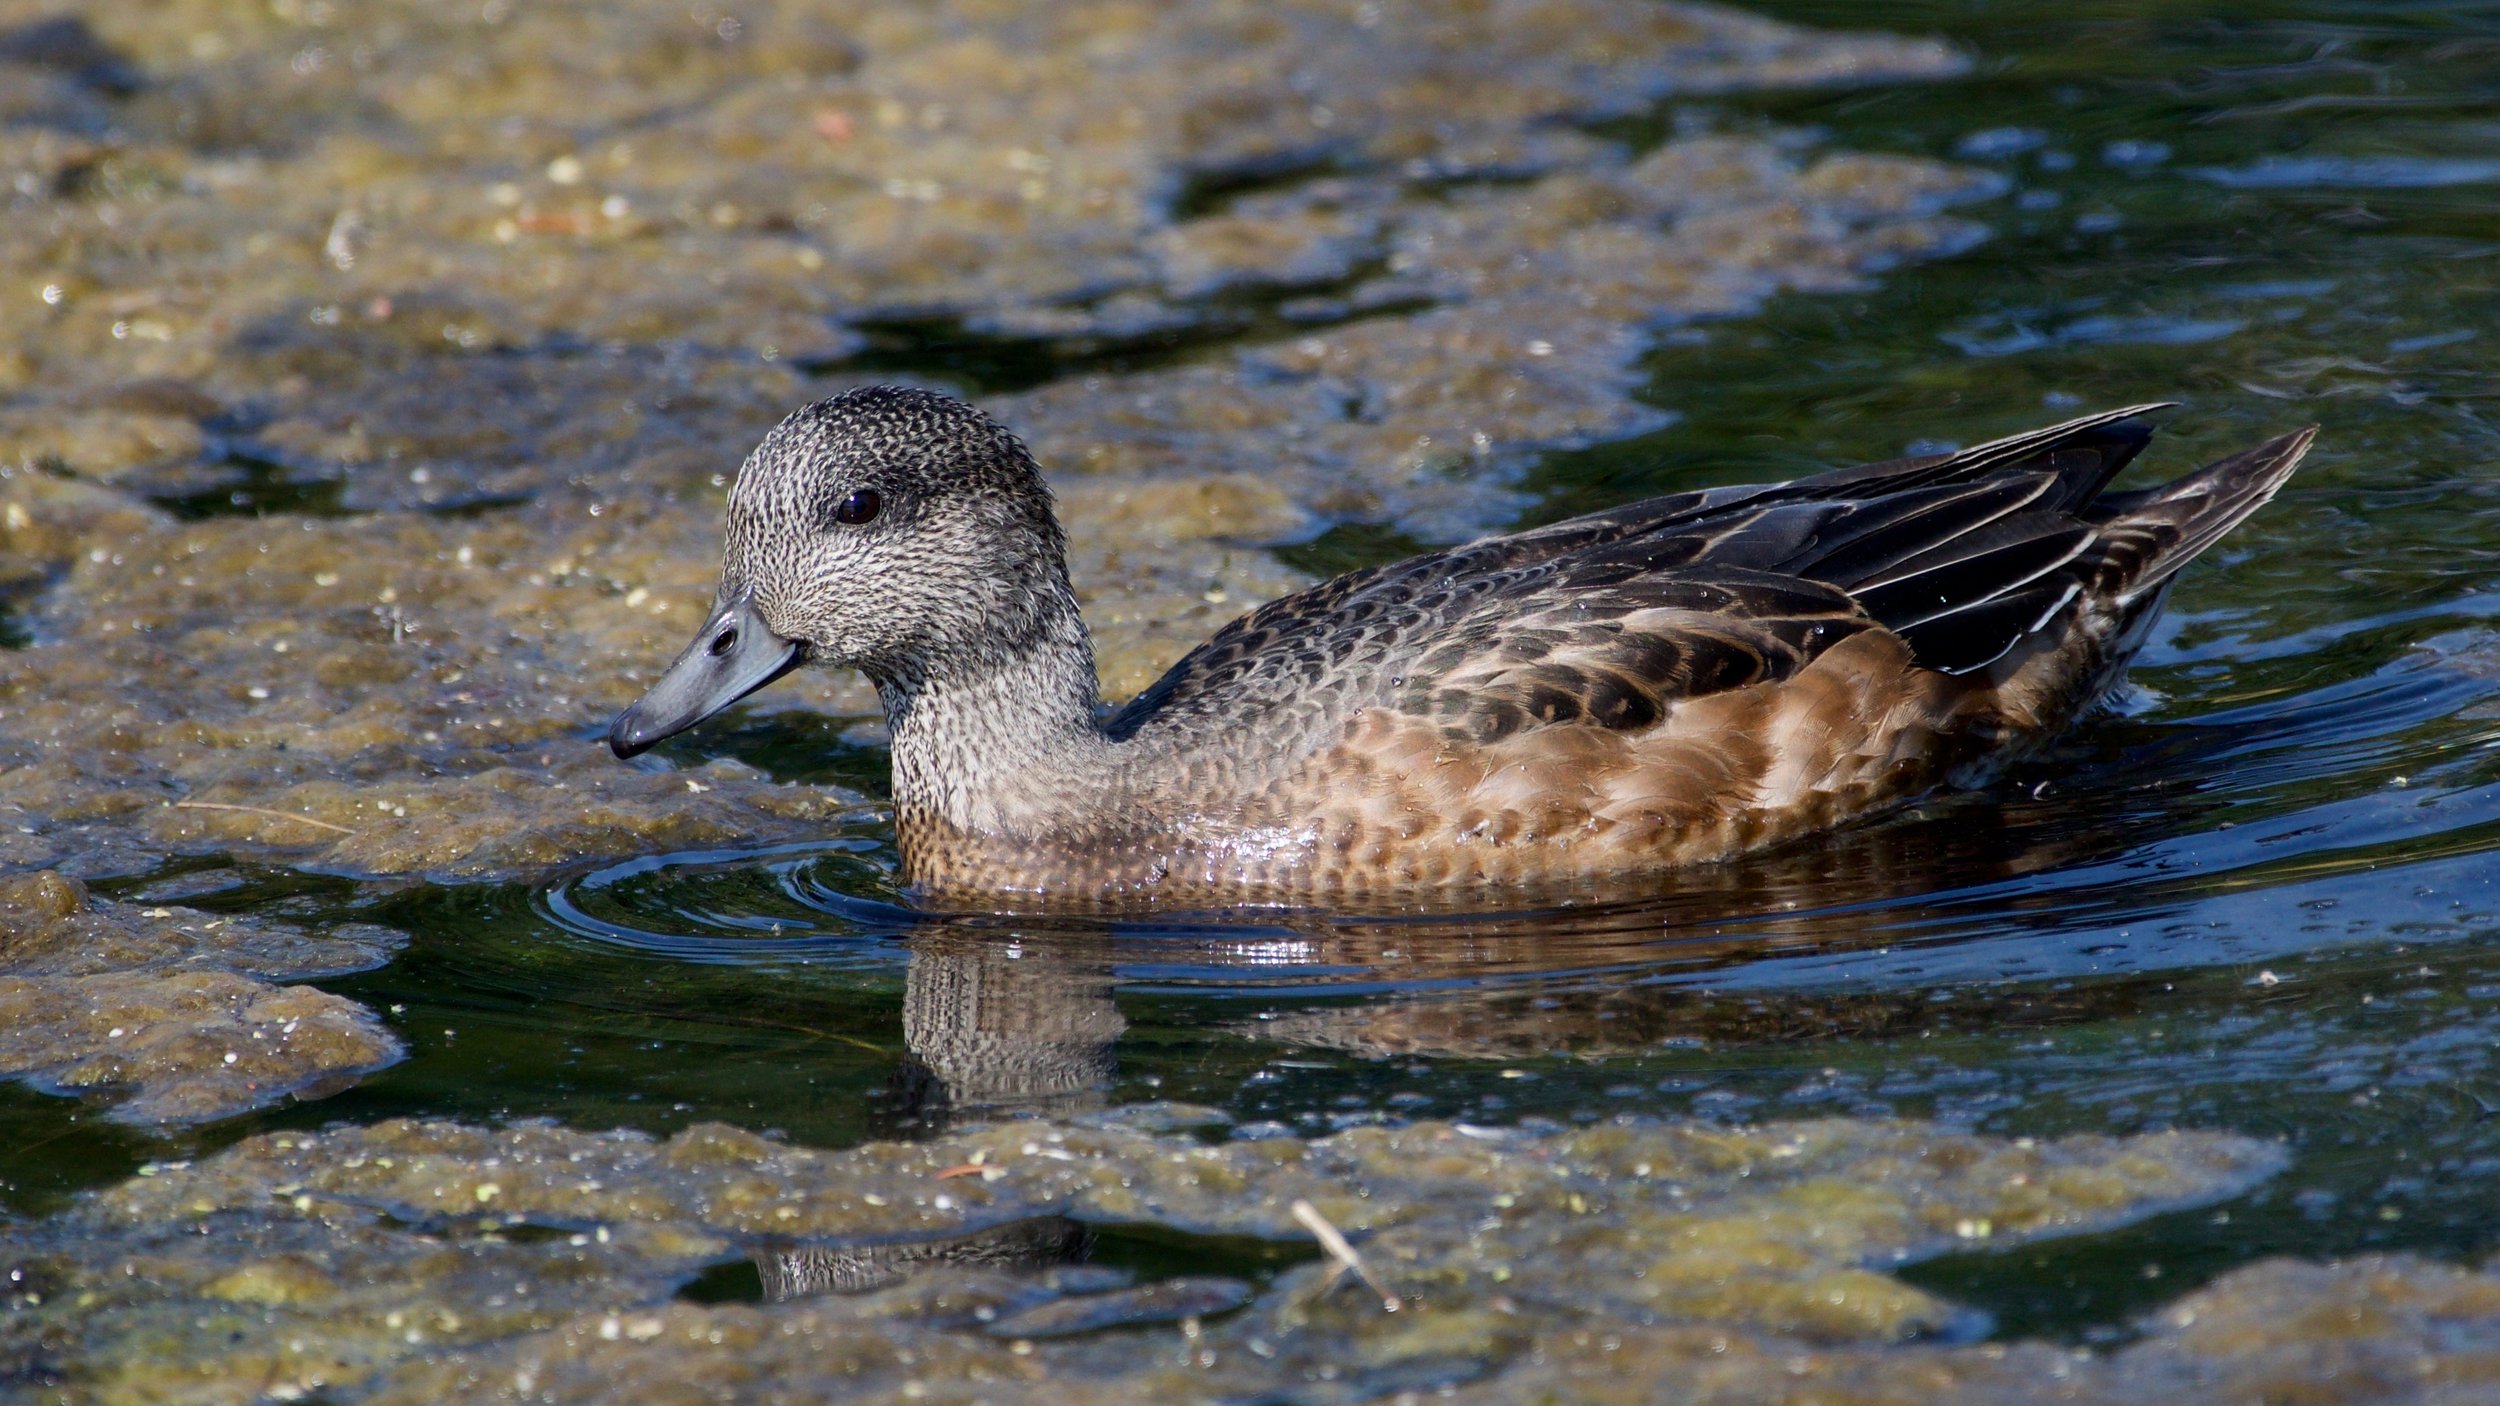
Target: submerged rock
[(431, 1261), (173, 1015)]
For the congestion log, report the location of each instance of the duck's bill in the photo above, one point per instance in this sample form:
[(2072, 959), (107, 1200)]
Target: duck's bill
[(733, 656)]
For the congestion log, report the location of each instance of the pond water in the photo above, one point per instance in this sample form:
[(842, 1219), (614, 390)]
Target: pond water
[(2263, 896)]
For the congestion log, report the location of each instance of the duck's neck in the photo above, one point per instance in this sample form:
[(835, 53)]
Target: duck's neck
[(1004, 745)]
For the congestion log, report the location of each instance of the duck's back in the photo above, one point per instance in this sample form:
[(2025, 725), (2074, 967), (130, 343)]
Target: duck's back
[(1670, 681)]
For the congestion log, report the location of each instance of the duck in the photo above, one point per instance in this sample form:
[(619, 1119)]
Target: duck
[(1602, 699)]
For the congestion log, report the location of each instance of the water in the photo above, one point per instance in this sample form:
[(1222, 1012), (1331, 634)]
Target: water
[(2260, 897)]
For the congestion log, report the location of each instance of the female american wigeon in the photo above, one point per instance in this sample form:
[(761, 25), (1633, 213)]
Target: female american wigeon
[(1672, 681)]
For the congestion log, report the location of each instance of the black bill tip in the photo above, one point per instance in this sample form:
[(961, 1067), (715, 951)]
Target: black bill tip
[(633, 734)]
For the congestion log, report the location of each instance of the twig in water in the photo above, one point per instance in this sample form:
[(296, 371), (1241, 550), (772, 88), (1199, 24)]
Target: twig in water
[(262, 810), (1341, 1255)]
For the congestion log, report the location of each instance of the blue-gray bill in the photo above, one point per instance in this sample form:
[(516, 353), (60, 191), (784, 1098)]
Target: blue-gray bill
[(731, 657)]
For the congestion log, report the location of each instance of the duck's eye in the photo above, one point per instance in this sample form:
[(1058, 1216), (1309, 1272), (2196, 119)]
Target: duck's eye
[(857, 508)]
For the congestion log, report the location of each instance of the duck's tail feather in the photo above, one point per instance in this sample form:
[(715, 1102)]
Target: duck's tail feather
[(1968, 602), (2150, 535)]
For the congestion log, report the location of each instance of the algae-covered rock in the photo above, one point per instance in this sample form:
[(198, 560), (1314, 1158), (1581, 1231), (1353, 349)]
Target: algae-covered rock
[(647, 172), (374, 369), (428, 1262), (398, 694), (175, 1015), (2391, 1330), (543, 1259), (1538, 293)]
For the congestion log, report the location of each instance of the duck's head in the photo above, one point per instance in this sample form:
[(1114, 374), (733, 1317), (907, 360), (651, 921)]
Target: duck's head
[(897, 531)]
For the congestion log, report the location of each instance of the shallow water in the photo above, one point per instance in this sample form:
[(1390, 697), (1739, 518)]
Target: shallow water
[(2259, 897)]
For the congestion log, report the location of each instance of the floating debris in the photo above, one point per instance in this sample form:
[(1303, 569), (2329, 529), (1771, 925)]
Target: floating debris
[(1342, 1256)]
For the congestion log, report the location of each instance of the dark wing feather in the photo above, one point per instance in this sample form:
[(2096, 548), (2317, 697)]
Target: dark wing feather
[(1611, 617), (2109, 438), (1875, 539), (1968, 578)]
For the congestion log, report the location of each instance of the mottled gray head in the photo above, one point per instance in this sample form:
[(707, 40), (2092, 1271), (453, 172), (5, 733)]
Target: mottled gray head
[(898, 531)]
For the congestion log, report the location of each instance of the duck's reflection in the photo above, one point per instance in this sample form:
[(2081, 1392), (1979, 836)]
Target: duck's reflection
[(1003, 1015), (1042, 1242), (994, 1023)]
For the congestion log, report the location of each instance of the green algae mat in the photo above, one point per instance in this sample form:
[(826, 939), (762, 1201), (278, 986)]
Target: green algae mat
[(369, 378)]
